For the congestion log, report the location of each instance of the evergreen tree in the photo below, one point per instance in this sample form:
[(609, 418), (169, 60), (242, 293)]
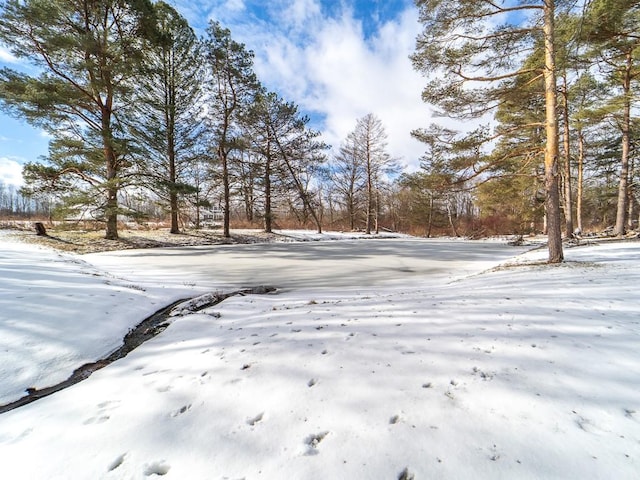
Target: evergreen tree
[(166, 117), (444, 175), (612, 27), (474, 47), (232, 88), (88, 52), (585, 95)]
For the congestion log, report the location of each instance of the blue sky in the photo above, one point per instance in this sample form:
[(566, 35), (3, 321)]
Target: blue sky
[(338, 60)]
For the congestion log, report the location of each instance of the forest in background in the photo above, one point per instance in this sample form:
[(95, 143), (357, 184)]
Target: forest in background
[(150, 122)]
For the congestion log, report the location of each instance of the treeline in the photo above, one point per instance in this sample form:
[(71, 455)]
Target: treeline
[(14, 204), (147, 119)]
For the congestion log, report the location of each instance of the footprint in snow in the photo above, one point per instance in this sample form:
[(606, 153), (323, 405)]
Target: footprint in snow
[(312, 442), (23, 434), (181, 410), (406, 475), (157, 468), (117, 462), (102, 415), (588, 426), (395, 419), (96, 420), (255, 420)]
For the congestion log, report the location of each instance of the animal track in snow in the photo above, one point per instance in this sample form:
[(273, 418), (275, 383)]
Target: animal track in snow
[(255, 420), (312, 441), (117, 462), (181, 410), (483, 375), (154, 372), (23, 434), (102, 414), (95, 420), (495, 456), (157, 468), (395, 419), (406, 475), (587, 425)]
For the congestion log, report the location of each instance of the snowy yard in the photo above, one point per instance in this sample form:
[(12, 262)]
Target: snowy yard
[(376, 359)]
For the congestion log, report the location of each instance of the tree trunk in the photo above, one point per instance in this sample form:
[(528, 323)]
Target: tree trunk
[(111, 213), (173, 201), (226, 231), (568, 200), (111, 159), (268, 214), (631, 204), (623, 186), (377, 218), (554, 233), (451, 222), (580, 193), (351, 208), (171, 151), (369, 194), (430, 224), (173, 195)]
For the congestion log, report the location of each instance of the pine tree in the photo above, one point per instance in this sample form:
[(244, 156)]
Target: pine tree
[(473, 48), (89, 52), (612, 26), (232, 88), (167, 122)]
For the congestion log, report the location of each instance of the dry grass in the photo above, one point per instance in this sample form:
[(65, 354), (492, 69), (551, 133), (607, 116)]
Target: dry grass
[(91, 241)]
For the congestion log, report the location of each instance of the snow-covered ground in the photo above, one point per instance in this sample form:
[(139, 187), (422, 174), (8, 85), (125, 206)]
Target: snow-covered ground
[(387, 359)]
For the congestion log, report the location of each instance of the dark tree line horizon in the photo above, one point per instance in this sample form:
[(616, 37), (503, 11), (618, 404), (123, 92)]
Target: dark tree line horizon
[(148, 119)]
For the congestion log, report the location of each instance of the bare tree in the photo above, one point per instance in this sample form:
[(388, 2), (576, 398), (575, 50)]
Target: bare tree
[(368, 145)]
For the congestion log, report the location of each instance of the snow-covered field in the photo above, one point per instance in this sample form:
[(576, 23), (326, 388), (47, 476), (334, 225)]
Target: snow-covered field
[(378, 359)]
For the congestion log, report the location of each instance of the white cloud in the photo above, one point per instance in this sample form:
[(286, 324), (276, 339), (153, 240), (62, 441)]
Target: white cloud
[(10, 172), (342, 76), (300, 12), (235, 5), (6, 56), (329, 67)]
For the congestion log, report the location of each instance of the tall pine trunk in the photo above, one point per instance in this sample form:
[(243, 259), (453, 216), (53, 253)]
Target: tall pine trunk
[(173, 175), (111, 160), (580, 192), (226, 218), (554, 232), (623, 186), (568, 195)]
